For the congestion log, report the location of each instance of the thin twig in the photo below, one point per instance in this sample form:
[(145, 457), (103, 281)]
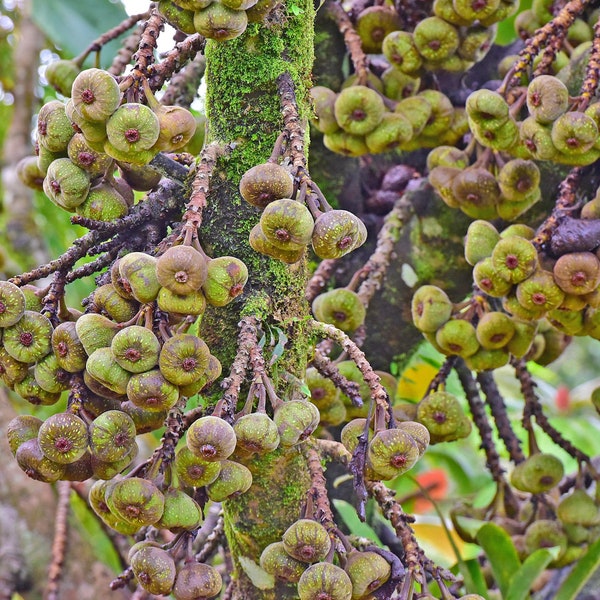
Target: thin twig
[(59, 544)]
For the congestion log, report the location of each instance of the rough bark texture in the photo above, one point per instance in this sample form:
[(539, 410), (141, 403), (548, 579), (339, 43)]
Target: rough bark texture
[(243, 107)]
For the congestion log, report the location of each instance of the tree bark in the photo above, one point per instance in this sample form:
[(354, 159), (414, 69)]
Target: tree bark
[(243, 109)]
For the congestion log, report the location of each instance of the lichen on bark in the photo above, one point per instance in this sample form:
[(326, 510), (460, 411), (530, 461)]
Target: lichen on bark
[(243, 112)]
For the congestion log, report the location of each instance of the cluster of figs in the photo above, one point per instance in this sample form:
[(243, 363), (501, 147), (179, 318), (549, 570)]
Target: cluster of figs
[(544, 299), (81, 143), (219, 20), (287, 226), (553, 129)]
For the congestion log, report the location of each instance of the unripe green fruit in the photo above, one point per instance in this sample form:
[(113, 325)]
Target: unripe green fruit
[(578, 509), (219, 22), (225, 280), (324, 580), (393, 131), (430, 308), (154, 569), (136, 500), (234, 480), (391, 453), (494, 330), (515, 259), (435, 39), (488, 279), (102, 366), (457, 336), (574, 133), (28, 340), (181, 512), (54, 128), (336, 233), (340, 307), (400, 50), (12, 304), (480, 241), (345, 143), (66, 184), (95, 95), (265, 183), (181, 269), (211, 438), (358, 109), (547, 98), (277, 562), (112, 436), (368, 571), (183, 359), (20, 429), (296, 420), (61, 74), (538, 474), (287, 224), (373, 24), (539, 292), (306, 540), (194, 471), (139, 271), (63, 438)]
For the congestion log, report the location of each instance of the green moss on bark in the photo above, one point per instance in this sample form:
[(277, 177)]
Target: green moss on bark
[(244, 112)]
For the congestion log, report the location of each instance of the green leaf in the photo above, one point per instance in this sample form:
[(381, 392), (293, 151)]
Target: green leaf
[(501, 553), (280, 346), (530, 570), (73, 24), (354, 524), (475, 582), (581, 573), (103, 547)]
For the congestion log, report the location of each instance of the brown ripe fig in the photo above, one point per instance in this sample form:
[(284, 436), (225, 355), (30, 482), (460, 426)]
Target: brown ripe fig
[(183, 359), (138, 270), (296, 420), (265, 183), (181, 512), (95, 95), (28, 340), (218, 22), (368, 571), (340, 307), (287, 224), (36, 465), (181, 269), (358, 109), (112, 436), (110, 302), (136, 500), (136, 349), (577, 272), (234, 479), (197, 581), (68, 349), (225, 280), (152, 392), (307, 540), (211, 438), (12, 304), (391, 453), (79, 470), (20, 429), (324, 580), (277, 562), (373, 24), (336, 233), (63, 438), (154, 569), (194, 471)]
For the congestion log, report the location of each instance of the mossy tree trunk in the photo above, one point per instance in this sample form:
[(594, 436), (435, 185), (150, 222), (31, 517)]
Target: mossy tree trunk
[(243, 110)]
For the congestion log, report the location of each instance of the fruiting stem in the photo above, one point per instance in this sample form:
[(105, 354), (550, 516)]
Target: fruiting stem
[(352, 41), (183, 85), (321, 508), (327, 368), (592, 72), (480, 419), (59, 544), (556, 28), (498, 409), (292, 127), (144, 57)]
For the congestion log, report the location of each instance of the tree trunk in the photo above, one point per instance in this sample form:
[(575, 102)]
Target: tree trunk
[(243, 109)]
